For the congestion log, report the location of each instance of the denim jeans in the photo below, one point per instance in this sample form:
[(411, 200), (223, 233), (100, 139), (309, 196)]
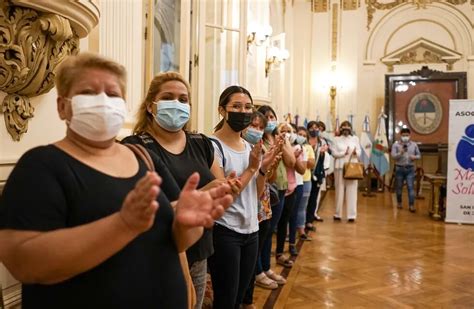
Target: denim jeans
[(267, 245), (232, 266), (312, 202), (407, 173), (294, 214), (282, 228), (301, 216)]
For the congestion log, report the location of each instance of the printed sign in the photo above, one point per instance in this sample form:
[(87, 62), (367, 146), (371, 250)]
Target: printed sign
[(460, 189)]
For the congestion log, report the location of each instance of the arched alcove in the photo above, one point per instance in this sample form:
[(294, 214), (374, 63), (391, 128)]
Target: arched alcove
[(441, 23)]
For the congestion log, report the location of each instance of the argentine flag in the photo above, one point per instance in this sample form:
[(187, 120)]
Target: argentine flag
[(366, 141), (379, 156), (328, 135)]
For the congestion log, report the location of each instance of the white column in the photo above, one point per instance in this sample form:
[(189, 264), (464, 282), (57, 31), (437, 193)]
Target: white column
[(122, 39)]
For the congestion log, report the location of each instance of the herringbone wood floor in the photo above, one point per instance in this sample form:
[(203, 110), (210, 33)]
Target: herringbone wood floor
[(388, 259)]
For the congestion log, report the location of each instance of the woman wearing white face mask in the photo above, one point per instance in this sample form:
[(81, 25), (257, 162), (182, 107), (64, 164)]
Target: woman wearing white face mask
[(346, 148), (162, 118), (90, 224)]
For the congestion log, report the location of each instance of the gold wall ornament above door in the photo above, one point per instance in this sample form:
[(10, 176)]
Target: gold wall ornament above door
[(374, 5), (32, 44)]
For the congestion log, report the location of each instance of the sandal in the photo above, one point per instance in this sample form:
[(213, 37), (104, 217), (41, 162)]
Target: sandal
[(283, 261), (263, 281), (275, 277), (305, 237), (310, 228)]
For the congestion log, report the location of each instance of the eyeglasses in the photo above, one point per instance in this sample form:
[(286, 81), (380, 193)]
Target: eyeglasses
[(235, 107)]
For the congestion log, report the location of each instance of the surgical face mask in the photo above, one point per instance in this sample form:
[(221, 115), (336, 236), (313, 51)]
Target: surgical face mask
[(172, 115), (300, 140), (405, 139), (291, 137), (271, 125), (238, 121), (314, 133), (97, 117), (252, 135)]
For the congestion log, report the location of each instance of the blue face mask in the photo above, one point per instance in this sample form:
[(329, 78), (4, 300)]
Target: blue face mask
[(172, 115), (300, 140), (271, 125), (252, 135)]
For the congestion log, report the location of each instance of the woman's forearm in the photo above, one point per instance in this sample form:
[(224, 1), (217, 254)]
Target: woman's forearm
[(52, 257), (185, 237)]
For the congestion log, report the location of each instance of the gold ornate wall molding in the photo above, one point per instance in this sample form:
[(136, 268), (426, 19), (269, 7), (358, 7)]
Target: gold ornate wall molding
[(32, 44), (350, 5), (320, 6), (374, 5), (421, 51)]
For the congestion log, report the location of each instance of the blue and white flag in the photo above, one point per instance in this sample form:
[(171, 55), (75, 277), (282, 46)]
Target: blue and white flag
[(366, 141), (379, 156), (350, 118)]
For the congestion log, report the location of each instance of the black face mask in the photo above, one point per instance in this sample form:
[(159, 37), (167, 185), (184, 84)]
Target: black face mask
[(239, 121), (314, 133), (345, 131)]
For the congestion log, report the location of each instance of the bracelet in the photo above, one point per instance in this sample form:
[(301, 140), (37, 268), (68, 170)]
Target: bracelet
[(261, 172)]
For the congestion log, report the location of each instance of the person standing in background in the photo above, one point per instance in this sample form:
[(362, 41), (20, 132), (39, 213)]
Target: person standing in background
[(405, 152), (346, 149)]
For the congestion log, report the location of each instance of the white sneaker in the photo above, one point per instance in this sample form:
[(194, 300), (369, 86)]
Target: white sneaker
[(275, 277)]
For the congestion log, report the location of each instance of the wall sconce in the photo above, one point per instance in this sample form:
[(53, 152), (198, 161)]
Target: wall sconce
[(258, 35), (275, 56)]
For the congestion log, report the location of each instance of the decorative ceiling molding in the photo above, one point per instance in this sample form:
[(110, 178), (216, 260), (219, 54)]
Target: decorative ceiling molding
[(421, 51), (374, 5), (82, 14), (32, 44)]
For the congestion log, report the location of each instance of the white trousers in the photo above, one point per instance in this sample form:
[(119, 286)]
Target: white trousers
[(350, 188)]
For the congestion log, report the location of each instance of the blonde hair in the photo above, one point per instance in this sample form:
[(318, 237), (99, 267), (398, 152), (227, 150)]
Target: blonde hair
[(284, 124), (144, 118), (71, 68)]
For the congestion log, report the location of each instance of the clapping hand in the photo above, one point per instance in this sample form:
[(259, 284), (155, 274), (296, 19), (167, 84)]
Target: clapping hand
[(234, 182), (347, 150), (255, 156), (197, 208), (140, 205), (298, 152), (269, 158)]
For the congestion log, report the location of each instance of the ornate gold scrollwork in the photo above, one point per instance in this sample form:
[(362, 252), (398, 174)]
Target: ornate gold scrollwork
[(32, 44), (374, 5)]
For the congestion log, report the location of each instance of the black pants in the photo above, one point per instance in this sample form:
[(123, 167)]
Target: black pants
[(283, 223), (264, 231), (313, 198), (232, 266)]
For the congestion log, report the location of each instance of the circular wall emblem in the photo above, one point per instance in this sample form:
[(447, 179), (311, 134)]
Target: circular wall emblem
[(425, 113)]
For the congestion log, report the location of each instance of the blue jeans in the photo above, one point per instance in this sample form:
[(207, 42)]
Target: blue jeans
[(301, 216), (294, 214), (267, 245), (407, 173)]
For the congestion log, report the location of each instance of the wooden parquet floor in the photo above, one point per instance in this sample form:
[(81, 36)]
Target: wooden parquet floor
[(389, 258)]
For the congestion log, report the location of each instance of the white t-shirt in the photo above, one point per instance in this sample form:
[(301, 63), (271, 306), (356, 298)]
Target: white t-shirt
[(241, 216), (303, 157)]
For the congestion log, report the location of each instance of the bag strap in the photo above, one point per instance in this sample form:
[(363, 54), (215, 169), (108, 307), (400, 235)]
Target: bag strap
[(216, 141), (141, 152)]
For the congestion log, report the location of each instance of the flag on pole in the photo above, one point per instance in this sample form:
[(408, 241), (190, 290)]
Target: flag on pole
[(336, 130), (366, 141), (328, 135), (305, 123), (379, 156)]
